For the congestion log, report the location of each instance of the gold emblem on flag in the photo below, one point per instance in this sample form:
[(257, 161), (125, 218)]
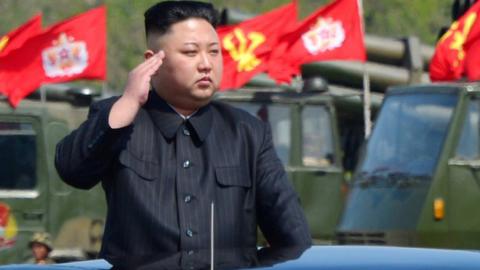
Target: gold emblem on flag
[(3, 42), (459, 36), (8, 227), (66, 57), (326, 34), (243, 52)]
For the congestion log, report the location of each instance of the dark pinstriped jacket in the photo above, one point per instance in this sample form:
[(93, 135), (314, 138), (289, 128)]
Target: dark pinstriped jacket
[(161, 174)]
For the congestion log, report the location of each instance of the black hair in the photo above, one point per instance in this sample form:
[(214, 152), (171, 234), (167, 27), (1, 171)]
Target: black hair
[(161, 16)]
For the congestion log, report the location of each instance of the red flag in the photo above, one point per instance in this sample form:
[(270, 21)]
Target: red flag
[(334, 32), (246, 46), (455, 54), (17, 37), (69, 50), (472, 60), (472, 43)]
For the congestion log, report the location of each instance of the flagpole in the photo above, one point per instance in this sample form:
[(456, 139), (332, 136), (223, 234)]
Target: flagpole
[(366, 101), (366, 84)]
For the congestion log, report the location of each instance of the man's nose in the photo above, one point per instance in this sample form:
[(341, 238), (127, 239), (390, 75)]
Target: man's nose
[(205, 62)]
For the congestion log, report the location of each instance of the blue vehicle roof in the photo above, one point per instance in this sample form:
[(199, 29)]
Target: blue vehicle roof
[(83, 265), (316, 257), (382, 257)]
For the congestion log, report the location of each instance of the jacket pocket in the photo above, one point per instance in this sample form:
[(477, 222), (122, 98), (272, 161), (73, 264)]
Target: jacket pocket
[(145, 169), (232, 176)]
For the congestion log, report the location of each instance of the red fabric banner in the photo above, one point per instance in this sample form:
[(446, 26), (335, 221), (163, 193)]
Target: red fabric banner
[(472, 60), (15, 39), (246, 46), (18, 36), (334, 32), (69, 50), (456, 54)]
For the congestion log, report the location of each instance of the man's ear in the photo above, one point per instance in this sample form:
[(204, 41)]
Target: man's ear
[(148, 53)]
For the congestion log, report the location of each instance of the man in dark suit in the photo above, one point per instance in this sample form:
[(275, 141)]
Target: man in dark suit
[(164, 156)]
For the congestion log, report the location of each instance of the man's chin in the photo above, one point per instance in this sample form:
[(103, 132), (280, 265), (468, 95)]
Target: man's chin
[(203, 94), (200, 102)]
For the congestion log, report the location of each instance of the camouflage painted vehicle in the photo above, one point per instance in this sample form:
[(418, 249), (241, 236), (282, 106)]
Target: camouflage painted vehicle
[(32, 196), (418, 181)]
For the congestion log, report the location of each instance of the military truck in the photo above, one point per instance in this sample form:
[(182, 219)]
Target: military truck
[(401, 61), (316, 132), (418, 181), (32, 196)]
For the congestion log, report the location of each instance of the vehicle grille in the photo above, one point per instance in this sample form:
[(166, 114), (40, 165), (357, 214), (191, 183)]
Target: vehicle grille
[(361, 238)]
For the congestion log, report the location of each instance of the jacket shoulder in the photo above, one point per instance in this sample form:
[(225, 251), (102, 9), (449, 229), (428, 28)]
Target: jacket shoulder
[(236, 115), (104, 102)]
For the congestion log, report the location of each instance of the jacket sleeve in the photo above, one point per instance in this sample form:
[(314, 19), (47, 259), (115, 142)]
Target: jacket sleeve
[(279, 213), (85, 155)]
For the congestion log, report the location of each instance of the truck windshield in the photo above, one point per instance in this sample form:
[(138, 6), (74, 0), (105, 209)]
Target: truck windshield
[(278, 116), (408, 136), (18, 156), (468, 147)]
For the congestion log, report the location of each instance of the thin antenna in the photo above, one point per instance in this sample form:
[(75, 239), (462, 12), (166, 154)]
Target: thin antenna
[(211, 235)]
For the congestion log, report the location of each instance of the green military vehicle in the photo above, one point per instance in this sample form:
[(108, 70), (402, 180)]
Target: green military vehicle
[(418, 181), (316, 131), (315, 149), (32, 196)]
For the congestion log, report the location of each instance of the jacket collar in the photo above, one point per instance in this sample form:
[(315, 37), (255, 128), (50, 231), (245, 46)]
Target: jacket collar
[(168, 121)]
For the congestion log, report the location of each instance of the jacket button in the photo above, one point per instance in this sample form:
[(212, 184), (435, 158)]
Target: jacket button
[(187, 198), (189, 233), (186, 164)]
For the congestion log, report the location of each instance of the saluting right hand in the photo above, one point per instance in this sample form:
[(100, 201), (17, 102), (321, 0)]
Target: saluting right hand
[(135, 94), (138, 83)]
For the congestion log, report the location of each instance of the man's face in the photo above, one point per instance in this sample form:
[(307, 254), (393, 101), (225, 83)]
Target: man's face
[(192, 68), (40, 251)]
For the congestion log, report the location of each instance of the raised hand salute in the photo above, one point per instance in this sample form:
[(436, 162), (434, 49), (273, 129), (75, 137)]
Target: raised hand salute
[(136, 91)]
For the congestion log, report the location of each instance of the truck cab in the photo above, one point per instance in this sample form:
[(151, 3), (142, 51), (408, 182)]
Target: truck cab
[(32, 196), (417, 182), (314, 133)]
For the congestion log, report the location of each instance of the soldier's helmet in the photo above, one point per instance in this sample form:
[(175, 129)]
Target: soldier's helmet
[(41, 238)]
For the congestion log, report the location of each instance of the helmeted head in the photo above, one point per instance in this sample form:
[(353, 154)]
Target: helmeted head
[(41, 245), (192, 68)]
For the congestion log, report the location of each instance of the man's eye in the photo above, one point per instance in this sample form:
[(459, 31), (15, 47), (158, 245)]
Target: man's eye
[(190, 53), (214, 51)]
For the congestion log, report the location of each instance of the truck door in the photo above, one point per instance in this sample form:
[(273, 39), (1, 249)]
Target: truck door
[(464, 181), (304, 138), (317, 175), (22, 185)]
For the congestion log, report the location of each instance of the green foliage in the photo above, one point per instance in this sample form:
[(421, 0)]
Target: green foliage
[(126, 38), (399, 18)]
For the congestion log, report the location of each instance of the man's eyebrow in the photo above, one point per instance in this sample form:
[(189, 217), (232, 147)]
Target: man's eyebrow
[(191, 43), (197, 45)]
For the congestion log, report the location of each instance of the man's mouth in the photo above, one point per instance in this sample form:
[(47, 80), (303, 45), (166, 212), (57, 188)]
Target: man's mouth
[(205, 79)]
